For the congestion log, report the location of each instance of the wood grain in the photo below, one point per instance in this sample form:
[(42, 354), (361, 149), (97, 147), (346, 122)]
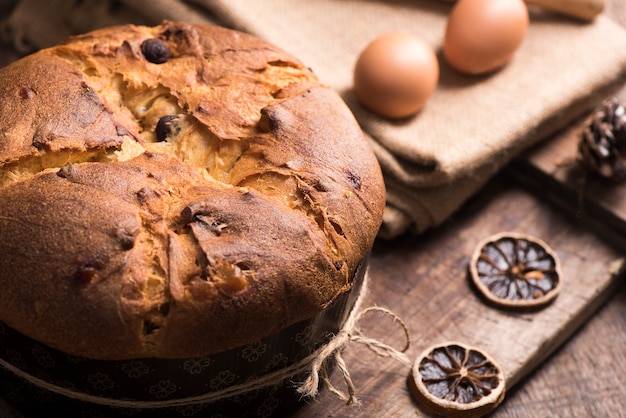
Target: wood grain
[(585, 378), (430, 291), (551, 170)]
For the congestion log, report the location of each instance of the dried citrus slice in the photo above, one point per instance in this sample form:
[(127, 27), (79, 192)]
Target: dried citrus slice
[(455, 380), (514, 270)]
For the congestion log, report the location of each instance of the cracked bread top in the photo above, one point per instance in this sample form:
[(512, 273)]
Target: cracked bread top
[(175, 191)]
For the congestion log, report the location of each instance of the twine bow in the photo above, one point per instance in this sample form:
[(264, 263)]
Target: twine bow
[(335, 347)]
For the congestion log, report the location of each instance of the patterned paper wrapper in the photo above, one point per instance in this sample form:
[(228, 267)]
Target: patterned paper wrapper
[(36, 378)]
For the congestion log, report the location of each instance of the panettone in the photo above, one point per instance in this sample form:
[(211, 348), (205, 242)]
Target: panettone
[(175, 191)]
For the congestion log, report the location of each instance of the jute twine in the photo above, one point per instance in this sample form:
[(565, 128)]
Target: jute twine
[(350, 332), (317, 364)]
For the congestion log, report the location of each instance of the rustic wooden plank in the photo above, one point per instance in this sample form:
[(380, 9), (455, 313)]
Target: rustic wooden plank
[(430, 291), (550, 170), (585, 378)]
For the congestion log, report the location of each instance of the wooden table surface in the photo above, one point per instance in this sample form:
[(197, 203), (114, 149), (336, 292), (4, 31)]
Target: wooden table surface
[(584, 376)]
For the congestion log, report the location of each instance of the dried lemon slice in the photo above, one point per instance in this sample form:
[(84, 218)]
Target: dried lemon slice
[(514, 270), (455, 380)]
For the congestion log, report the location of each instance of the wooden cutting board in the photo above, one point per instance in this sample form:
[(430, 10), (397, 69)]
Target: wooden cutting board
[(429, 289), (551, 170)]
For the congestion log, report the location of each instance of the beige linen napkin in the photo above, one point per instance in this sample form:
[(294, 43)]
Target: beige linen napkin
[(472, 126)]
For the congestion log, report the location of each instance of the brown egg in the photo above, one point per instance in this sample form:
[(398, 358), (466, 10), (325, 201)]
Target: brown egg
[(396, 74), (483, 35)]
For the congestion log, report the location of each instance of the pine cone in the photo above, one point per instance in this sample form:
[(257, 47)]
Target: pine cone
[(602, 144)]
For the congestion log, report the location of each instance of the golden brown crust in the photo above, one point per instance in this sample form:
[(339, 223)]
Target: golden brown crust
[(178, 208)]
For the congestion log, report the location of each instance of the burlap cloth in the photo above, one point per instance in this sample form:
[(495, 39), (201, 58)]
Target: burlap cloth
[(471, 127)]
